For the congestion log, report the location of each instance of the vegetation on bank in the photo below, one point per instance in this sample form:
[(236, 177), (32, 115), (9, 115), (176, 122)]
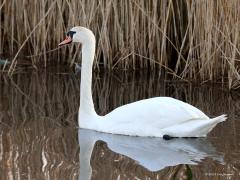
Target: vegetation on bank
[(194, 40)]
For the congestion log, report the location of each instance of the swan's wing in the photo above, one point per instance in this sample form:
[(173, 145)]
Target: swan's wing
[(149, 116)]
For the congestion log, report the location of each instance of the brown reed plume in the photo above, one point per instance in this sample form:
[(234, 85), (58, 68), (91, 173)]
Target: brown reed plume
[(194, 40)]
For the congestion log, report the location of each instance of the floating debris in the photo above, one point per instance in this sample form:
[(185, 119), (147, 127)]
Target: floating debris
[(4, 61), (77, 68)]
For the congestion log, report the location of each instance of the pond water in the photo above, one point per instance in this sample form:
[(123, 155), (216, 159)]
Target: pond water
[(39, 138)]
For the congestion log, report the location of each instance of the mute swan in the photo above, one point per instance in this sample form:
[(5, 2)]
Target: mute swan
[(157, 117), (153, 154)]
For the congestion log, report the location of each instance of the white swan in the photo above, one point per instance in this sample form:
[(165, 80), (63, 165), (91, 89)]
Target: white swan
[(156, 117)]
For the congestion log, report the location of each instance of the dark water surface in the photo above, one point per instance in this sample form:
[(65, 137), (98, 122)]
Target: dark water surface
[(39, 138)]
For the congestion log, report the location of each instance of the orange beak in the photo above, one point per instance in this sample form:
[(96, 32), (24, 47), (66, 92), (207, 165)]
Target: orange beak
[(68, 40)]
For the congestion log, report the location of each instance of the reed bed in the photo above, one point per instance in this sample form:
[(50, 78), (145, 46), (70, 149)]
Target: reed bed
[(194, 40)]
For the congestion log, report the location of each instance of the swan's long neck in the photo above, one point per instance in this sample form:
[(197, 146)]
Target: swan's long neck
[(86, 101)]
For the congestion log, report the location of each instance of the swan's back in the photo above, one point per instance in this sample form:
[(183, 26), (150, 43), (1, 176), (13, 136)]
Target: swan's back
[(148, 117)]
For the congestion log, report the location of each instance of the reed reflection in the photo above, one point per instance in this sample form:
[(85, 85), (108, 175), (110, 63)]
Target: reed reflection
[(39, 135)]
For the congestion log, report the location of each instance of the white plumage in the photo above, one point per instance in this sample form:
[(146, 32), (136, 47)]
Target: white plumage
[(150, 117)]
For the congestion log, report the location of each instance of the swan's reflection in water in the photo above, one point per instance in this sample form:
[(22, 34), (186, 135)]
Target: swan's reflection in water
[(152, 153)]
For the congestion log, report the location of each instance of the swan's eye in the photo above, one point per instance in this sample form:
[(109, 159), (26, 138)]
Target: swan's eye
[(70, 33)]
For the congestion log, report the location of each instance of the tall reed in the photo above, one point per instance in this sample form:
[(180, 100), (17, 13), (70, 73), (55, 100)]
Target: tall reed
[(195, 40)]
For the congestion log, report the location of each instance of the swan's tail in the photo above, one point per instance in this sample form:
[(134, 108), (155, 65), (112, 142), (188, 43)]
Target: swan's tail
[(214, 122), (194, 128), (220, 118), (207, 126)]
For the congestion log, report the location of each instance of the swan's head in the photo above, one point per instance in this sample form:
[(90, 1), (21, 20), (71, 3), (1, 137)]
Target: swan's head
[(79, 34)]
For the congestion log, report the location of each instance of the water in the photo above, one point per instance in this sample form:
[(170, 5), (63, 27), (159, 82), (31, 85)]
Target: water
[(39, 138)]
